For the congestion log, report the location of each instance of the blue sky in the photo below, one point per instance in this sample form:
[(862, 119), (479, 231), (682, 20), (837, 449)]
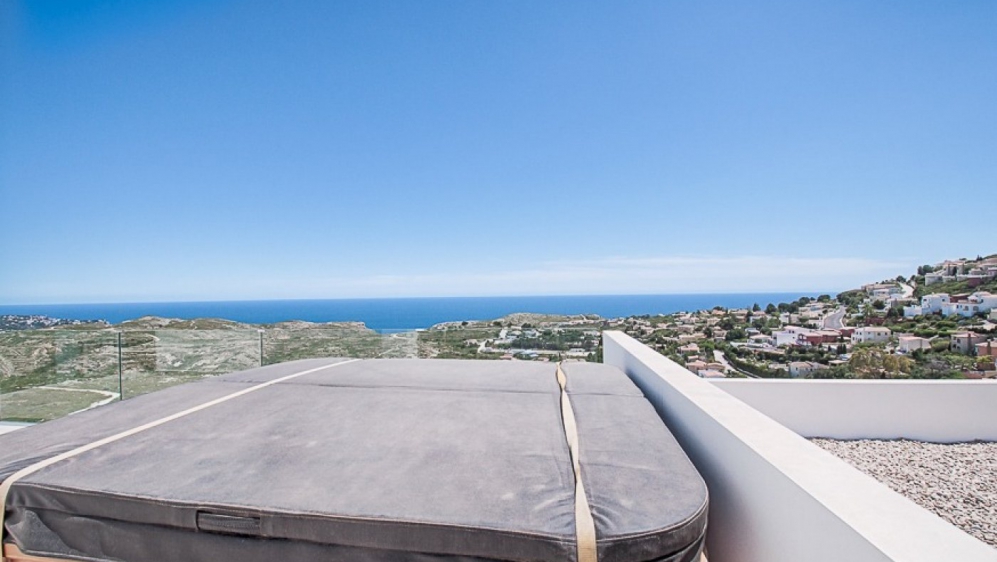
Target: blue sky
[(240, 150)]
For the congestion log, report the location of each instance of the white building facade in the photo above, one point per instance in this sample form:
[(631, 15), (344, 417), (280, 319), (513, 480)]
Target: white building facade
[(934, 302), (801, 368), (911, 344), (976, 303), (871, 334), (789, 335)]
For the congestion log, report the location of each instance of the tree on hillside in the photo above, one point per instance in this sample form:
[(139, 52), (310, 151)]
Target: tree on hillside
[(756, 308), (946, 366), (851, 298), (876, 363), (836, 372), (771, 309), (735, 334)]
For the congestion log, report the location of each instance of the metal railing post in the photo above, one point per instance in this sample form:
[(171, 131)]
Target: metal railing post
[(121, 389)]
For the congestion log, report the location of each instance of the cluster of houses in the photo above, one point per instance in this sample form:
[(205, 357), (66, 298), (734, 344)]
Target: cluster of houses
[(526, 336), (809, 337), (706, 369), (806, 329), (891, 294), (38, 321), (973, 273), (967, 343), (948, 305)]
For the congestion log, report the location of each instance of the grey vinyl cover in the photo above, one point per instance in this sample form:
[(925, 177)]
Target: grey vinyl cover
[(374, 460)]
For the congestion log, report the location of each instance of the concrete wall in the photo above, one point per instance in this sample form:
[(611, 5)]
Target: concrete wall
[(774, 496), (938, 411)]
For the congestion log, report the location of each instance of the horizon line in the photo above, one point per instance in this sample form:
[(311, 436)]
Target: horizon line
[(802, 293)]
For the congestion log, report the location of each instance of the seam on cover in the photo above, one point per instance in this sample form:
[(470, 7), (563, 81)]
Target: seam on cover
[(437, 389), (670, 528), (426, 388), (256, 510), (59, 555)]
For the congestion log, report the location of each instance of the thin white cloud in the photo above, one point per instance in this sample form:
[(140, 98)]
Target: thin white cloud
[(621, 275), (611, 275)]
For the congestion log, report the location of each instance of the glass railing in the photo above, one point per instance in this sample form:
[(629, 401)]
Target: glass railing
[(48, 374)]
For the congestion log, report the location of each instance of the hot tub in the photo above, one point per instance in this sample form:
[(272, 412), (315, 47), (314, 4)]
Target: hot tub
[(361, 460)]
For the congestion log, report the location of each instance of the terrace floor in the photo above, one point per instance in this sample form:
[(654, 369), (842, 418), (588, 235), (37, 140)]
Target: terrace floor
[(956, 481)]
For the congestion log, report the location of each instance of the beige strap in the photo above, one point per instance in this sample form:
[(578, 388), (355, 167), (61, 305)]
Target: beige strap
[(28, 470), (584, 524)]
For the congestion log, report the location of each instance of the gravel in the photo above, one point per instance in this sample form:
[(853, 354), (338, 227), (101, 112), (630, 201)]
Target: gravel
[(957, 481)]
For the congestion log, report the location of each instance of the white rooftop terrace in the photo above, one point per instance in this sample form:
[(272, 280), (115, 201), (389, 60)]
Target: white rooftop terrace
[(775, 496)]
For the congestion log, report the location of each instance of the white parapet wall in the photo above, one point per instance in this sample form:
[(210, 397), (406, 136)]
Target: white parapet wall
[(774, 496), (937, 411)]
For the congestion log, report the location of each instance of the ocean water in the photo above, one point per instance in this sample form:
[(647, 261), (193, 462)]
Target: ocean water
[(395, 315)]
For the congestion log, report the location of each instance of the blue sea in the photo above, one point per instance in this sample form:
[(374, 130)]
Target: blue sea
[(403, 314)]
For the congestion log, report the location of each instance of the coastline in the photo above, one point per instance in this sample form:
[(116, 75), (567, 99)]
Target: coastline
[(404, 314)]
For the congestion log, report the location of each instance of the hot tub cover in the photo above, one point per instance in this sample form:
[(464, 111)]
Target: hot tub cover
[(372, 460)]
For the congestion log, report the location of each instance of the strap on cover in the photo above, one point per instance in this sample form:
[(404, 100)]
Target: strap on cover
[(584, 524)]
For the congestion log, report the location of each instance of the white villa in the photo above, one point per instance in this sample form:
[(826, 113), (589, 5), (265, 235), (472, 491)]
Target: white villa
[(801, 368), (981, 301), (871, 334), (934, 302), (910, 344), (789, 335)]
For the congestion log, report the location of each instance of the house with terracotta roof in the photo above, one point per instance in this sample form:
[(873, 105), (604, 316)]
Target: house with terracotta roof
[(965, 342)]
